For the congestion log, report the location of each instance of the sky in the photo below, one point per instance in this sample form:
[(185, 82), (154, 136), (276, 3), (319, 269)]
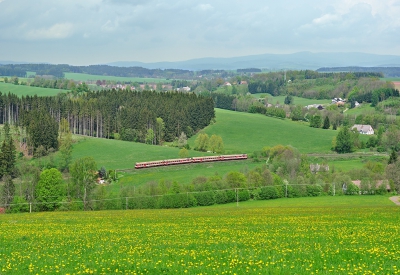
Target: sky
[(84, 32)]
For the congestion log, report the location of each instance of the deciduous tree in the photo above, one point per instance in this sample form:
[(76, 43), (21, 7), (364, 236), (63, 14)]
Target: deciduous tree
[(83, 173), (48, 190)]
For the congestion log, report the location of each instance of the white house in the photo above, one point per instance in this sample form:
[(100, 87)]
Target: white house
[(363, 129)]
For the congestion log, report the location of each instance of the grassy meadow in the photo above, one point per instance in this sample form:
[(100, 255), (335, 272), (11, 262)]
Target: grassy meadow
[(322, 235), (241, 133), (296, 100), (22, 90), (86, 77), (246, 133)]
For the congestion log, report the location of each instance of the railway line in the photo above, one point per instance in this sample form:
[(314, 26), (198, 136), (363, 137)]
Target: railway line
[(167, 162)]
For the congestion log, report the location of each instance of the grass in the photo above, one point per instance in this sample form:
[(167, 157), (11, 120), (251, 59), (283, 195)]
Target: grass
[(85, 77), (296, 100), (246, 133), (365, 108), (391, 79), (183, 174), (22, 90), (117, 154), (323, 235), (241, 133)]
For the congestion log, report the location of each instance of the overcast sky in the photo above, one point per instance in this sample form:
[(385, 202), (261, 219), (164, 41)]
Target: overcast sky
[(83, 32)]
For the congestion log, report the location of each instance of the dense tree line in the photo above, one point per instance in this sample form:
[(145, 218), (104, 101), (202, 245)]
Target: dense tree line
[(369, 71), (249, 70), (12, 70), (111, 113), (59, 70), (373, 97)]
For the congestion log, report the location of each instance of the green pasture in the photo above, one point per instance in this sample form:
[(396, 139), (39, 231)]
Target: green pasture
[(365, 108), (391, 78), (22, 90), (117, 154), (86, 77), (352, 164), (246, 133), (321, 235), (241, 133), (183, 174), (296, 100)]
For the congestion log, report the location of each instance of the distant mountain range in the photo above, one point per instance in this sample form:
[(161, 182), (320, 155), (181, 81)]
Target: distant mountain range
[(300, 60), (295, 61)]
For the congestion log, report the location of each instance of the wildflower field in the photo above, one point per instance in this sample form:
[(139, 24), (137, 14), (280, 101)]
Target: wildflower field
[(323, 235)]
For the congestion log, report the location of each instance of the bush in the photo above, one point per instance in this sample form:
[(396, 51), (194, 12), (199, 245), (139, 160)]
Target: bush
[(243, 195), (352, 189), (231, 196), (142, 203), (174, 201), (221, 197), (69, 205), (314, 190), (205, 198), (296, 191), (268, 193), (255, 194), (19, 205)]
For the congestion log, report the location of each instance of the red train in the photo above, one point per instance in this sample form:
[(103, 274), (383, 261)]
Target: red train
[(166, 162)]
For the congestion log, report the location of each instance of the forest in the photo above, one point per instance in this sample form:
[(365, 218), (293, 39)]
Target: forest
[(147, 116), (387, 71), (58, 71)]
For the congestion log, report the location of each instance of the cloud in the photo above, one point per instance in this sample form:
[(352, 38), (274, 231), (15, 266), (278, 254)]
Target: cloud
[(110, 26), (326, 19), (204, 7), (155, 30), (57, 31)]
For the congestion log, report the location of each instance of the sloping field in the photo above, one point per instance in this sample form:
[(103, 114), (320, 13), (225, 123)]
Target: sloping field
[(241, 133), (323, 235), (244, 132), (117, 154), (22, 90), (85, 77), (296, 100)]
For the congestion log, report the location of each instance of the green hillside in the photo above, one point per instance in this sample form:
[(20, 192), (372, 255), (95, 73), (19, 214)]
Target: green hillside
[(241, 133), (117, 154), (245, 132), (22, 90), (86, 77)]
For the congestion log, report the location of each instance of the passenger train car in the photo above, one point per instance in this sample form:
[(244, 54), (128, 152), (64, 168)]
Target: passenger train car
[(155, 163)]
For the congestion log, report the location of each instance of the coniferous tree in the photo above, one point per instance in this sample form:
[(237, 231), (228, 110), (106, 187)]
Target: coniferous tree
[(327, 124), (343, 141), (7, 154), (393, 157)]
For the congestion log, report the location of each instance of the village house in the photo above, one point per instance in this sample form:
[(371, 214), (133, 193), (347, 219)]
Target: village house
[(363, 129)]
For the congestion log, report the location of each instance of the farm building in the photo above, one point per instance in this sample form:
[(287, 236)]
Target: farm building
[(363, 129)]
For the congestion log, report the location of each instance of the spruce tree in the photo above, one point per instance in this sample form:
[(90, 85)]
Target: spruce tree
[(327, 124), (343, 141), (393, 157)]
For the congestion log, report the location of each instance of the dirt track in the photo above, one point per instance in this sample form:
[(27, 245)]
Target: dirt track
[(396, 200)]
